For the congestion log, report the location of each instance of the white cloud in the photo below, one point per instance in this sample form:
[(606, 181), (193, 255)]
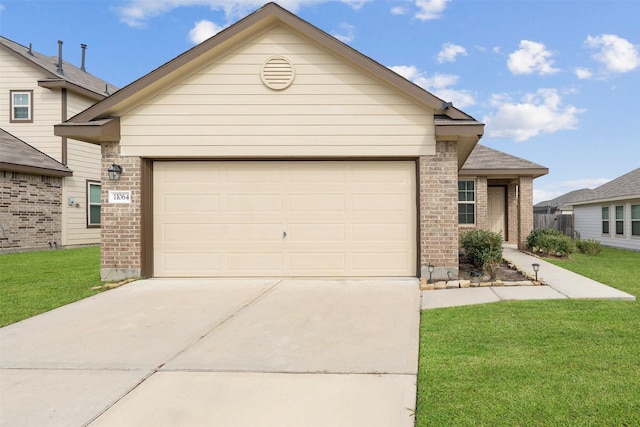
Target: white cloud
[(202, 30), (449, 52), (532, 57), (398, 10), (536, 113), (617, 54), (583, 73), (438, 84), (346, 34), (430, 9), (135, 13)]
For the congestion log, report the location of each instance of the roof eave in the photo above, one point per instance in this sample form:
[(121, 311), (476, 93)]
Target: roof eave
[(505, 173), (33, 170), (465, 134), (95, 132), (607, 199), (58, 83)]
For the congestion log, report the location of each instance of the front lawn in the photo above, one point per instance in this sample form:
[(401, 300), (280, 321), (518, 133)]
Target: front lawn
[(34, 282), (559, 362)]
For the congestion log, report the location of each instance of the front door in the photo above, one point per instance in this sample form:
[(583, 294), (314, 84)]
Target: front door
[(497, 218)]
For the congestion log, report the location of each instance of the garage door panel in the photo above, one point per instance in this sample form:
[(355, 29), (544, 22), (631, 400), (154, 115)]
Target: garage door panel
[(181, 203), (341, 218), (255, 203), (192, 263), (317, 202), (244, 263), (315, 232)]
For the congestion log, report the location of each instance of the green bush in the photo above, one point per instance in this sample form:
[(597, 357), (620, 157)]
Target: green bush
[(550, 242), (483, 249), (588, 247)]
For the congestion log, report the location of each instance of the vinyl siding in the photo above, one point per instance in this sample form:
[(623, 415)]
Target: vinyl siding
[(84, 159), (225, 110), (588, 222), (16, 75)]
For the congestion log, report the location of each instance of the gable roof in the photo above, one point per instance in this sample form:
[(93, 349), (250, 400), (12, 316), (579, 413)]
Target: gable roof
[(456, 123), (626, 186), (562, 202), (18, 156), (488, 161), (72, 77)]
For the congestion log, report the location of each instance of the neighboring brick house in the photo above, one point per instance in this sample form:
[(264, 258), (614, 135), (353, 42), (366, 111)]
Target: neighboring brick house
[(273, 149), (36, 92), (31, 189)]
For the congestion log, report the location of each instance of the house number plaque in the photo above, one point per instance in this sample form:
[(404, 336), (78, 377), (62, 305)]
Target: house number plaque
[(119, 196)]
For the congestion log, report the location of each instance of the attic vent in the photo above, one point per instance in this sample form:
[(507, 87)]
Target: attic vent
[(277, 73)]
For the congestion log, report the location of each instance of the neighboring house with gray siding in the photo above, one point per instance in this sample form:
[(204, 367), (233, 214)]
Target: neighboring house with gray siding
[(610, 213), (36, 92)]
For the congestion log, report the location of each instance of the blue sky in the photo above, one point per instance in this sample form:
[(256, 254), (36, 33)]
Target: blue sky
[(556, 81)]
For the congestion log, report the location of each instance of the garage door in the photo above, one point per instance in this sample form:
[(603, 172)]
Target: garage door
[(284, 219)]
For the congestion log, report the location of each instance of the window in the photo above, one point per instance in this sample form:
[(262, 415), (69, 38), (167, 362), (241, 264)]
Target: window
[(605, 220), (466, 202), (635, 220), (21, 106), (93, 203), (619, 220)]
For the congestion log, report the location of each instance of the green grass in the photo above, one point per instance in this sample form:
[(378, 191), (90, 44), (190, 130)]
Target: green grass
[(34, 282), (542, 363)]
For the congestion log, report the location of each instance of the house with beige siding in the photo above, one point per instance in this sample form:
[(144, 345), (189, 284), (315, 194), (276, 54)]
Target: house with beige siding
[(38, 91), (273, 149), (610, 213)]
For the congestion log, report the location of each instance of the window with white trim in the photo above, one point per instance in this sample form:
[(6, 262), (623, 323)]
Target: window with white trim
[(619, 220), (466, 202), (635, 220), (94, 190), (21, 106), (605, 220)]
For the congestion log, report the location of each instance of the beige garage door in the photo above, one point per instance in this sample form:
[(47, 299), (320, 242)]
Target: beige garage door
[(284, 219)]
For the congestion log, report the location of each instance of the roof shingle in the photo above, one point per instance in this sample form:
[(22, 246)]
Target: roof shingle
[(18, 156)]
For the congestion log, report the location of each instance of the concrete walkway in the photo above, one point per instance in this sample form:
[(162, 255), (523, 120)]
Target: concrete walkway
[(561, 283), (186, 352)]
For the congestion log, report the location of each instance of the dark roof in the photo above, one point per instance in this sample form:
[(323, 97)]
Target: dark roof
[(626, 186), (567, 198), (488, 160), (74, 77), (18, 156)]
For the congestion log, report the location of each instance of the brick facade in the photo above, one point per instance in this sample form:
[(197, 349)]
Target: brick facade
[(438, 211), (121, 255), (30, 211)]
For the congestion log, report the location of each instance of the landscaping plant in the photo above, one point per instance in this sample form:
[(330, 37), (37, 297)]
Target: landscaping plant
[(550, 242), (483, 249)]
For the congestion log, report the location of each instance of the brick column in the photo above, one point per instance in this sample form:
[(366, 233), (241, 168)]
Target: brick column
[(525, 210), (512, 213), (482, 219), (120, 244), (438, 211)]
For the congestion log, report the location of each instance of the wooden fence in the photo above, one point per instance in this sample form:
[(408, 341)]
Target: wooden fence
[(560, 222)]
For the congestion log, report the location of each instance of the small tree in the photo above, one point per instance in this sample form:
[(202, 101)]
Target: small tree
[(483, 249)]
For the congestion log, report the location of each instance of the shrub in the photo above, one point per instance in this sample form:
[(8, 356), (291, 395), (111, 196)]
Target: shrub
[(589, 247), (550, 242), (483, 249)]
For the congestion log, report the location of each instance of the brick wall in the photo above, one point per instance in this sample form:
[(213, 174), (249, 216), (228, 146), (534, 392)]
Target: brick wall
[(30, 211), (121, 231), (525, 209), (438, 190)]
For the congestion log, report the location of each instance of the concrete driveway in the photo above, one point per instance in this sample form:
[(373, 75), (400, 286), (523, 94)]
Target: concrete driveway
[(166, 352)]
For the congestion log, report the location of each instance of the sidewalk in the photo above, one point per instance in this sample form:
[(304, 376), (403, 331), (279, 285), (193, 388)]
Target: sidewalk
[(562, 284)]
